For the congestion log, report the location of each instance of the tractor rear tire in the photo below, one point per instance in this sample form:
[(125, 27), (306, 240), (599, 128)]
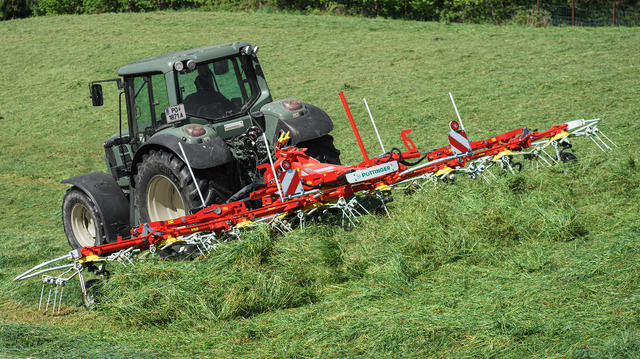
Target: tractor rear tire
[(81, 220), (164, 188), (322, 149)]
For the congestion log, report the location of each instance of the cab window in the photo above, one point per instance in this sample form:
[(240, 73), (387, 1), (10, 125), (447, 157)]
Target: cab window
[(217, 89), (149, 96)]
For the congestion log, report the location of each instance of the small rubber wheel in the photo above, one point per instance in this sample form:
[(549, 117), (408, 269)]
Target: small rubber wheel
[(567, 156), (82, 223), (516, 166), (92, 291)]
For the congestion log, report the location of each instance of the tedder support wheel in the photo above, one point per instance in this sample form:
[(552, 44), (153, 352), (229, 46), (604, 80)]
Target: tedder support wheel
[(164, 188), (92, 289), (81, 220), (566, 156)]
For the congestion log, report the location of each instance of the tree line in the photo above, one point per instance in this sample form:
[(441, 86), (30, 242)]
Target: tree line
[(476, 11)]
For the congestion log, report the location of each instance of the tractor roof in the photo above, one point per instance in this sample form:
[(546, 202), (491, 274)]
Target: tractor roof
[(164, 63)]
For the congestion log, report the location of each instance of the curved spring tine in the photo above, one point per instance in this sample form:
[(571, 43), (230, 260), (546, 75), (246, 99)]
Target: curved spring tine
[(355, 202), (60, 301), (595, 134), (45, 280), (485, 177), (594, 141), (381, 199), (48, 298), (536, 153), (61, 283), (301, 218), (550, 157), (58, 281), (608, 139), (55, 300)]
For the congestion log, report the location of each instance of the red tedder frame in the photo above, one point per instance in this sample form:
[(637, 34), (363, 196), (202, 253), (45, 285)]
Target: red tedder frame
[(322, 183)]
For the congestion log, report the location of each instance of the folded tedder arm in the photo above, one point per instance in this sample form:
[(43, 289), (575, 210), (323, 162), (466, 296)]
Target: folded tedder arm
[(297, 186)]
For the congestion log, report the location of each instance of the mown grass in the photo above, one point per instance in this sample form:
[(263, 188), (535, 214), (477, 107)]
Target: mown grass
[(541, 264)]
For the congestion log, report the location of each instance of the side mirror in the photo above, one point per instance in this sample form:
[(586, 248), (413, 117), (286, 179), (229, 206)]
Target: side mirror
[(96, 95), (221, 67)]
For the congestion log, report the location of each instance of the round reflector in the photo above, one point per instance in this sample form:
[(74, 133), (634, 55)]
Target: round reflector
[(292, 104), (194, 130), (454, 125)]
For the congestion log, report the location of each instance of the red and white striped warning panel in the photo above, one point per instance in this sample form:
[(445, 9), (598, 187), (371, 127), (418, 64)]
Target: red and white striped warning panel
[(459, 142), (291, 183)]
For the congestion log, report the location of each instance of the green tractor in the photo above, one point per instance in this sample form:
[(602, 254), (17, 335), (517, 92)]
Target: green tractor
[(197, 121)]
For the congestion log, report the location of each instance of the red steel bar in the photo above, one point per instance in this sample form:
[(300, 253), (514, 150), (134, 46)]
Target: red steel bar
[(355, 129)]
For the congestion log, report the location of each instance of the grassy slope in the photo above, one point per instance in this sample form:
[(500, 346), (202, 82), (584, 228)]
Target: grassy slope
[(542, 265)]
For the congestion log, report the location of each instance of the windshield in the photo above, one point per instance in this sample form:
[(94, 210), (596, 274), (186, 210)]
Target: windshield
[(217, 89)]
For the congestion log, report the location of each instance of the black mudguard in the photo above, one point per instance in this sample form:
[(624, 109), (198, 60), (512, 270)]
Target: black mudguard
[(208, 154), (109, 199), (314, 124)]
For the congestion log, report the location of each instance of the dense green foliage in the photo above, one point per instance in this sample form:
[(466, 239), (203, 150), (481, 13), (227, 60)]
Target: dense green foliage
[(477, 11), (14, 9), (541, 264)]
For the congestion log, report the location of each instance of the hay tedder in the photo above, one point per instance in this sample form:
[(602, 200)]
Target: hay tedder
[(296, 187)]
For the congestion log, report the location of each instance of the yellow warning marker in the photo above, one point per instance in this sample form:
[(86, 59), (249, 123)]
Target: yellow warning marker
[(444, 171), (88, 259), (502, 154)]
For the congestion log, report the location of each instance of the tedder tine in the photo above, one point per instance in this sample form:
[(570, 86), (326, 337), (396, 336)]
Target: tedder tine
[(608, 139)]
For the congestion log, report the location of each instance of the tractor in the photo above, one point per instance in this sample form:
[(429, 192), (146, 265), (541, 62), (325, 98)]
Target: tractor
[(198, 122)]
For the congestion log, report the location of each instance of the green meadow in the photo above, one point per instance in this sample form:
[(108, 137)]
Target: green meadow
[(541, 264)]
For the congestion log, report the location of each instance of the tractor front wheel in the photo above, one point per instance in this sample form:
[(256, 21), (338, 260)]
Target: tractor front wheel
[(81, 220)]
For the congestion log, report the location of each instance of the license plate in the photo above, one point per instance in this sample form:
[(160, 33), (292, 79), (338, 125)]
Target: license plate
[(175, 113), (372, 172)]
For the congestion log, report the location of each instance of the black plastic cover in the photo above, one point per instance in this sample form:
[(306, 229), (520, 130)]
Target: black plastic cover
[(212, 153), (109, 199), (315, 123)]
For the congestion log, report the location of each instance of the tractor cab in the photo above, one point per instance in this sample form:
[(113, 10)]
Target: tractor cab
[(193, 96), (209, 85)]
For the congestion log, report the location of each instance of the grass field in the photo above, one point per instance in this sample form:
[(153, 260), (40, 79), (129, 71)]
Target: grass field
[(543, 264)]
